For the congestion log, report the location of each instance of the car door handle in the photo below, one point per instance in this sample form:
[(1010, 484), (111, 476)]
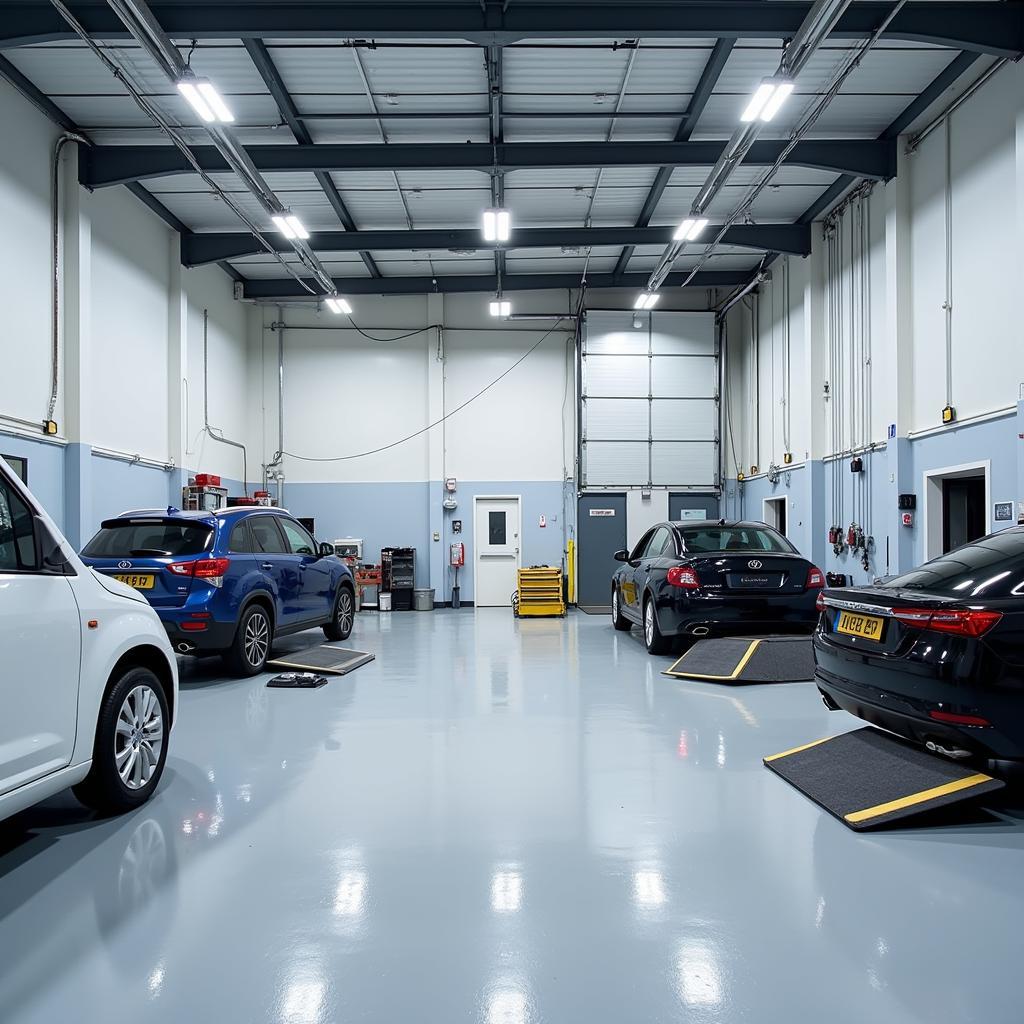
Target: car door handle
[(266, 565)]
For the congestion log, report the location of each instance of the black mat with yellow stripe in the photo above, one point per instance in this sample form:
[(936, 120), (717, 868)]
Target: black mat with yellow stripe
[(868, 778), (766, 659)]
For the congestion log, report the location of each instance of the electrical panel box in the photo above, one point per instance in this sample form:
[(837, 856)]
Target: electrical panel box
[(907, 502)]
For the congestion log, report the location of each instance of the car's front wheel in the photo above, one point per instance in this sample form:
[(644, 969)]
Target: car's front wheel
[(655, 642), (131, 744), (248, 652), (619, 621), (340, 626)]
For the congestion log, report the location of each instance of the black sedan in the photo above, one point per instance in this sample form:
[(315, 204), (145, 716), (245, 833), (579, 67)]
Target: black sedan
[(712, 578), (935, 655)]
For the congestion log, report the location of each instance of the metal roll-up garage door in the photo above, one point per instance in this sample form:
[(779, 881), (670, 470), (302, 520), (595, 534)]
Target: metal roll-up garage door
[(649, 400)]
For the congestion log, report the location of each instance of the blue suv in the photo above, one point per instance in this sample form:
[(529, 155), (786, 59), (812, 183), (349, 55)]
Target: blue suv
[(228, 582)]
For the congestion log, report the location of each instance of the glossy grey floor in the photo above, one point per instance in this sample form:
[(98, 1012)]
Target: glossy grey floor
[(506, 823)]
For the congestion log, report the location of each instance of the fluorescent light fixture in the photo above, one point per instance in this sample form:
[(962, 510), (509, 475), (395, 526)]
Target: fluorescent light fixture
[(290, 226), (336, 304), (766, 101), (497, 225), (196, 101), (500, 307), (690, 230), (646, 300), (771, 108), (205, 100)]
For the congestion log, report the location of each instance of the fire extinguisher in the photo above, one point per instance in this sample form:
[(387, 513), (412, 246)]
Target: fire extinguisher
[(851, 536)]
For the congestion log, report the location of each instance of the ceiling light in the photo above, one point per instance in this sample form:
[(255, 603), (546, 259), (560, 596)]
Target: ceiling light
[(290, 226), (646, 300), (336, 304), (497, 225), (767, 98), (690, 230), (500, 307), (205, 100)]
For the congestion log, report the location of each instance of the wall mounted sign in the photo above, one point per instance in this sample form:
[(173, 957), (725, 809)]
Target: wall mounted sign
[(1002, 512), (602, 512)]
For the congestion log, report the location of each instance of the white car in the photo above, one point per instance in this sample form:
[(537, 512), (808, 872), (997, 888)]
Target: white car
[(88, 679)]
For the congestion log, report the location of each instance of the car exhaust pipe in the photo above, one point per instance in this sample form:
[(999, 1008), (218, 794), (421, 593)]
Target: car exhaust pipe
[(700, 631), (954, 752), (828, 701), (185, 648)]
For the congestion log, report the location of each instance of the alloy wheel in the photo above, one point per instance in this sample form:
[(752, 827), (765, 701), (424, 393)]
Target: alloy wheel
[(257, 639), (138, 737), (615, 606), (649, 624), (344, 611)]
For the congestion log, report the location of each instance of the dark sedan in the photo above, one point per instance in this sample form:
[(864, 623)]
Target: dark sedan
[(935, 655), (712, 578)]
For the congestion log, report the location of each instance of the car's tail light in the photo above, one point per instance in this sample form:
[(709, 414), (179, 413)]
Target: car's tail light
[(820, 603), (210, 569), (953, 719), (683, 576), (815, 579), (971, 622)]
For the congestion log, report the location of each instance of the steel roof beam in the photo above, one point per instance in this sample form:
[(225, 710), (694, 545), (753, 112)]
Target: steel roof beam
[(261, 58), (982, 26), (210, 247), (705, 87), (288, 288), (116, 165)]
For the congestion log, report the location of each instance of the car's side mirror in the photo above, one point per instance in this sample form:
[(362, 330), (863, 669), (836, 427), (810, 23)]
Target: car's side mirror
[(326, 550), (621, 556), (49, 552)]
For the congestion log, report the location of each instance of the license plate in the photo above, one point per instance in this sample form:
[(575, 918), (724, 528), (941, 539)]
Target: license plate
[(138, 581), (869, 627)]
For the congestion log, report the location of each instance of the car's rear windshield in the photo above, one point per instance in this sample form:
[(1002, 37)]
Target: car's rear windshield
[(990, 567), (148, 538), (710, 539)]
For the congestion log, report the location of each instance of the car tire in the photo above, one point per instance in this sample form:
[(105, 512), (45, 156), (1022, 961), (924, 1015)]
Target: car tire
[(343, 617), (130, 749), (619, 621), (248, 653), (654, 641)]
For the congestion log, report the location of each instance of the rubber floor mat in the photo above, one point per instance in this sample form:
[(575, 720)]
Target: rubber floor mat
[(774, 659), (868, 778), (336, 661)]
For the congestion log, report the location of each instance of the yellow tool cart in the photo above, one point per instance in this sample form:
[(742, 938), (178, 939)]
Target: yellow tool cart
[(539, 591)]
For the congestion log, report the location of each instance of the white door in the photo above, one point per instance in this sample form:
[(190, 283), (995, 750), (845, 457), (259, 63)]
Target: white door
[(496, 546), (40, 652)]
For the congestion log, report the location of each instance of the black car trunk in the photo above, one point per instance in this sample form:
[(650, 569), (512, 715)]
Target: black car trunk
[(751, 572)]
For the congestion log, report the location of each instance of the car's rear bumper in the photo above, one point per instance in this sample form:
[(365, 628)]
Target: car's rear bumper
[(907, 712), (791, 613), (212, 638)]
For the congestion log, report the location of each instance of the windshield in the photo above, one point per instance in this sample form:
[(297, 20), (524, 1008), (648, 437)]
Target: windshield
[(708, 539), (148, 538), (990, 567)]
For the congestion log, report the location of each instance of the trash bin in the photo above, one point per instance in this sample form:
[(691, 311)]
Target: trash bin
[(423, 600), (384, 601)]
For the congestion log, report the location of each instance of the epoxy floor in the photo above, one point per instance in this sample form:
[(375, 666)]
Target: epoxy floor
[(501, 822)]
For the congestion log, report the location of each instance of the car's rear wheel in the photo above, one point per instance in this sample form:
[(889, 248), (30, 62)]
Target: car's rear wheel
[(130, 748), (619, 621), (655, 642), (344, 617), (248, 652)]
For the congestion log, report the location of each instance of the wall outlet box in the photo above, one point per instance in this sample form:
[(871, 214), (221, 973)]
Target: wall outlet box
[(49, 426), (788, 459), (949, 414), (908, 501)]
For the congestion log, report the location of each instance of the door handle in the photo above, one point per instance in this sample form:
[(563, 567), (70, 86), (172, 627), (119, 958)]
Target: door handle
[(266, 565)]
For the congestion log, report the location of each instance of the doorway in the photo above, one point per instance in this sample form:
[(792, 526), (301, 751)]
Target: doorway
[(601, 529), (956, 502), (496, 550), (775, 512)]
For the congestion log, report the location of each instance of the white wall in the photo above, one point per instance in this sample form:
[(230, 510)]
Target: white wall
[(25, 259)]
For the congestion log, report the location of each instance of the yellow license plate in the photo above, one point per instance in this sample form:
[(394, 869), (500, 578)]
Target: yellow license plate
[(139, 582), (867, 626)]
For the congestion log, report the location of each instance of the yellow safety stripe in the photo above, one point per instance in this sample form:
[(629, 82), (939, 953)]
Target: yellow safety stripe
[(700, 675), (796, 750), (917, 798)]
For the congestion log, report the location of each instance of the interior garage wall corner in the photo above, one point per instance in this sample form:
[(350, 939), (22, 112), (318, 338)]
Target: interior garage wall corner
[(855, 351), (129, 358)]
